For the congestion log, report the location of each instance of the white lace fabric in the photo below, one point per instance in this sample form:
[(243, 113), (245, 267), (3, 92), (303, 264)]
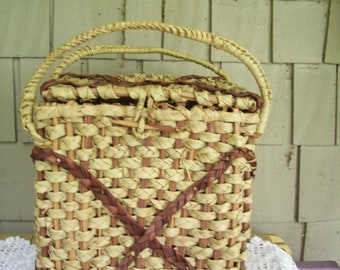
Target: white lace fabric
[(263, 255), (18, 254)]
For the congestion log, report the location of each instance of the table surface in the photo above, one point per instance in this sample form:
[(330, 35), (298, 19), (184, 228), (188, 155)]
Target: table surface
[(314, 265)]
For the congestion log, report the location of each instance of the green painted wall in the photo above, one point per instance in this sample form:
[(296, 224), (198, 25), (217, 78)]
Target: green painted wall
[(296, 193)]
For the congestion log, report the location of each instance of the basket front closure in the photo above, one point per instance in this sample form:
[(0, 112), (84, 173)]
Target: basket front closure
[(144, 237), (141, 113), (146, 95)]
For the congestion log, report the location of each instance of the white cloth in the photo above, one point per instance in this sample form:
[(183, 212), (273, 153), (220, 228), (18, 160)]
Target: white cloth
[(266, 255), (18, 254)]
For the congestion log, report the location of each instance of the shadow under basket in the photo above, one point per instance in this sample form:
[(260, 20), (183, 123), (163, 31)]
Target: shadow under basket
[(143, 171)]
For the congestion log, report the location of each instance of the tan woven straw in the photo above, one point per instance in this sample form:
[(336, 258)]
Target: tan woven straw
[(144, 171)]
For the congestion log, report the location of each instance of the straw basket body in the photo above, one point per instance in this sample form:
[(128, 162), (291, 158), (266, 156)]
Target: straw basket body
[(143, 171)]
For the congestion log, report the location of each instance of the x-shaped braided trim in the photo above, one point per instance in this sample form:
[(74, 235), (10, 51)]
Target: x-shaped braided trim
[(144, 237)]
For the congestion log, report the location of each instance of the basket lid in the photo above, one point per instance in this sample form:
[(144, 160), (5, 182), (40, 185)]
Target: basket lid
[(96, 88)]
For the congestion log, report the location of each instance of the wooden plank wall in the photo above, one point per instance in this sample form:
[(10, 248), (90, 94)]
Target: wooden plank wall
[(297, 190)]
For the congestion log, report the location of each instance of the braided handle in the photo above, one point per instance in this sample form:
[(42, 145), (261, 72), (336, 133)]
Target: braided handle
[(218, 42), (107, 49)]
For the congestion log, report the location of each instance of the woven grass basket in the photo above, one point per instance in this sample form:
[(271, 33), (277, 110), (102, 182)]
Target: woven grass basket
[(143, 171)]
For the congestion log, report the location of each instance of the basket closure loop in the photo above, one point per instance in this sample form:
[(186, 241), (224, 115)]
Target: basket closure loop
[(146, 96)]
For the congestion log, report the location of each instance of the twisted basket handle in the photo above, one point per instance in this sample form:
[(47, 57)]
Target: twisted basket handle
[(218, 42), (91, 50)]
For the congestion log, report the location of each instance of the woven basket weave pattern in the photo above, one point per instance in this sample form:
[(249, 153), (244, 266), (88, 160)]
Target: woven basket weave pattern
[(144, 174), (143, 171)]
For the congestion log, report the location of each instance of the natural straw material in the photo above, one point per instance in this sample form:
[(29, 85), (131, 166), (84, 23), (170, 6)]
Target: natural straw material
[(143, 171), (143, 238), (101, 49), (215, 41)]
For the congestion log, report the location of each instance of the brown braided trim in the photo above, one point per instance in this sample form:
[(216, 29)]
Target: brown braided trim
[(144, 238), (100, 80), (112, 204), (164, 216)]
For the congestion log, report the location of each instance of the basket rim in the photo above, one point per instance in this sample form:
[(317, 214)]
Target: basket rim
[(214, 86)]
